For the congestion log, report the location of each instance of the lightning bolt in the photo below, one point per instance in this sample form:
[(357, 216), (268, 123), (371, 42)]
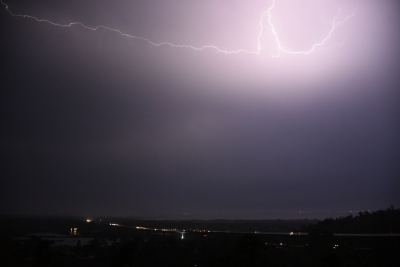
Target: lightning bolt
[(268, 13), (336, 22)]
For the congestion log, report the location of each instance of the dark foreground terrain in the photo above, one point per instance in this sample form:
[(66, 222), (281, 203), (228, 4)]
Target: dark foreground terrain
[(369, 239)]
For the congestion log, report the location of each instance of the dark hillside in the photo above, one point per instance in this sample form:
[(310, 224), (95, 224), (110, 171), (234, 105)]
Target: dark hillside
[(377, 222)]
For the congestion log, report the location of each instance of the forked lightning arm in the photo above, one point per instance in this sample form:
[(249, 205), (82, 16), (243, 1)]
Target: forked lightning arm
[(333, 24), (336, 22)]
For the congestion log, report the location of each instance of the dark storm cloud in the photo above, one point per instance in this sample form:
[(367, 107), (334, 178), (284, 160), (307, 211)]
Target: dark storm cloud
[(96, 123)]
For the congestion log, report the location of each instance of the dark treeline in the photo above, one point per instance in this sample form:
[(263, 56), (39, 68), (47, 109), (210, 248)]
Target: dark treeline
[(377, 222)]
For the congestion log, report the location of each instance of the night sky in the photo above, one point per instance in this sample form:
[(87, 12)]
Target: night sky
[(96, 123)]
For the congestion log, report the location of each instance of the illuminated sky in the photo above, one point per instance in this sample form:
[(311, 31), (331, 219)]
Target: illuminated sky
[(202, 107)]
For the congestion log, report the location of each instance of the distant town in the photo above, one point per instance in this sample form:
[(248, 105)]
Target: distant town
[(368, 238)]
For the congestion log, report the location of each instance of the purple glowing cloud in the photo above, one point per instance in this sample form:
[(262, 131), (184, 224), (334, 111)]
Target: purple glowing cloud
[(175, 106), (266, 26)]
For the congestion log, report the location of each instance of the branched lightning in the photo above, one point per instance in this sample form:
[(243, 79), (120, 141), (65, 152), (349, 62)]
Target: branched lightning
[(280, 48), (333, 24)]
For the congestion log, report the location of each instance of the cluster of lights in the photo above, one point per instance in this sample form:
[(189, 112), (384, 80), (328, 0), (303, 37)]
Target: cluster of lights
[(200, 231), (155, 229)]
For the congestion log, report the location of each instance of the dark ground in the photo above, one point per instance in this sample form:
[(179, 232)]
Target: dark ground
[(129, 246)]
